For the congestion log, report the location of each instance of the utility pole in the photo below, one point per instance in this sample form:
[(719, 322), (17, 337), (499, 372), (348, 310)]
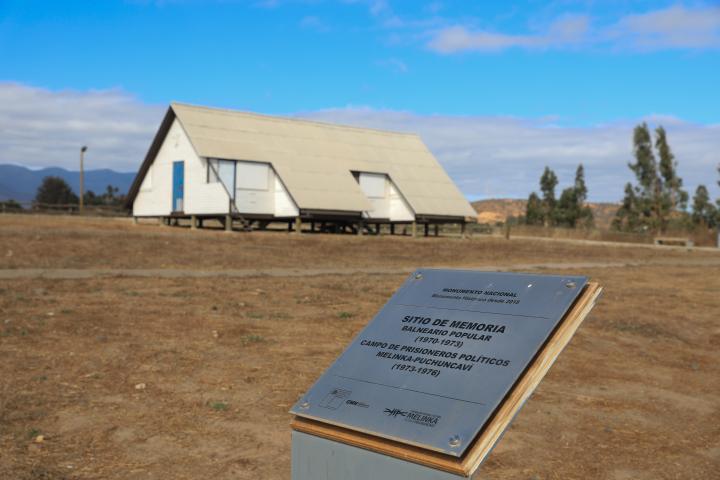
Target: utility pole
[(83, 149)]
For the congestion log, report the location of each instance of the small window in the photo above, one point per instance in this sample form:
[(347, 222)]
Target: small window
[(373, 185), (222, 171), (253, 176)]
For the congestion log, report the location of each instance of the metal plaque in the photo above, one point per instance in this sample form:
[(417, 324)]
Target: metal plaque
[(434, 364)]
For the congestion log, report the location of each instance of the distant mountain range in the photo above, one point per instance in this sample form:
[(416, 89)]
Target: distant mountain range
[(499, 209), (21, 183)]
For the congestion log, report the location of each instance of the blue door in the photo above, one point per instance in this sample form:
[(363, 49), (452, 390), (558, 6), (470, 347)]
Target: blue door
[(178, 193)]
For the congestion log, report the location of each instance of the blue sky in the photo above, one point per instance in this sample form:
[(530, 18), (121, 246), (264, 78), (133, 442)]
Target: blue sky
[(563, 73)]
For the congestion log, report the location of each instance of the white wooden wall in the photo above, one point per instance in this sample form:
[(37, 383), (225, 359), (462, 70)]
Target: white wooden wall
[(155, 195), (284, 204), (400, 211), (385, 198), (258, 188), (203, 197)]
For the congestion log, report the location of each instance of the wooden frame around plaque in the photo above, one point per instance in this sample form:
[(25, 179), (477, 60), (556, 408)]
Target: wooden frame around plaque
[(498, 423)]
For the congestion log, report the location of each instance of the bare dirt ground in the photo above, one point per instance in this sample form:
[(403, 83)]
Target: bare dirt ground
[(190, 377)]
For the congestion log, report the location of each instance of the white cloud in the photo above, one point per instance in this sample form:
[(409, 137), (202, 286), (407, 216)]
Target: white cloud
[(496, 157), (40, 128), (565, 31), (674, 27), (487, 156), (458, 38)]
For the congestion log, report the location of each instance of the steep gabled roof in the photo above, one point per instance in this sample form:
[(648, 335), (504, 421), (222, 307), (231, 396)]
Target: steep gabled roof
[(315, 160)]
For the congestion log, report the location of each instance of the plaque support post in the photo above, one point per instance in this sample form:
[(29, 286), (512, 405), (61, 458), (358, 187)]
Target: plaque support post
[(316, 458)]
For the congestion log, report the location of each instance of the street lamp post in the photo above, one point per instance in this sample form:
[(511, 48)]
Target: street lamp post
[(83, 149)]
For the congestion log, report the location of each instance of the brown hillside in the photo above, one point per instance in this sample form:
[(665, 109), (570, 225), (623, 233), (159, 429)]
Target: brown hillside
[(498, 209)]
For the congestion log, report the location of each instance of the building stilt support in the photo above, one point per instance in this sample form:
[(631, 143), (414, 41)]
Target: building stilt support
[(135, 219), (228, 223), (427, 229), (298, 224), (392, 229), (414, 229), (462, 230), (437, 230), (360, 227), (193, 222)]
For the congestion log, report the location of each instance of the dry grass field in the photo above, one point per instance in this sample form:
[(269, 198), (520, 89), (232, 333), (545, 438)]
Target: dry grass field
[(152, 376)]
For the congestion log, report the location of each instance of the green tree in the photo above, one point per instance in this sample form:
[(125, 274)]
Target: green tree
[(90, 198), (658, 193), (647, 192), (645, 166), (566, 211), (718, 200), (628, 215), (110, 197), (571, 209), (10, 205), (580, 187), (673, 196), (548, 182), (534, 210), (703, 211), (584, 215), (56, 191)]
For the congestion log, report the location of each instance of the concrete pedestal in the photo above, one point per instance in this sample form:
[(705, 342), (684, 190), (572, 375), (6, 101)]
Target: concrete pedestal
[(315, 458)]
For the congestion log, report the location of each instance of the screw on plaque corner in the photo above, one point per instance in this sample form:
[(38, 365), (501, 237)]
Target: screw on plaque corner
[(418, 276), (570, 285), (454, 441), (305, 404)]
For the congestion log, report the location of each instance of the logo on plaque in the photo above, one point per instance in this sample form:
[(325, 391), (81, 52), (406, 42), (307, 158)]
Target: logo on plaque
[(335, 398), (394, 412)]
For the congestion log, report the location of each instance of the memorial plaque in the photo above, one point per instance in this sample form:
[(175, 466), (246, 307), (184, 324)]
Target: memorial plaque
[(433, 365)]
